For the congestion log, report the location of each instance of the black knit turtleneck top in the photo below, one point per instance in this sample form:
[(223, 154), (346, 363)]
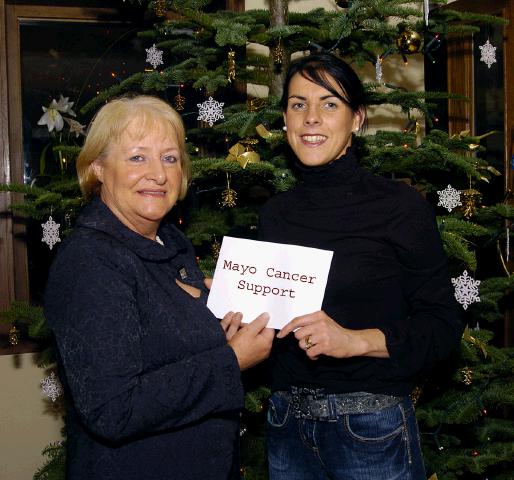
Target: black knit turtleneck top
[(388, 272)]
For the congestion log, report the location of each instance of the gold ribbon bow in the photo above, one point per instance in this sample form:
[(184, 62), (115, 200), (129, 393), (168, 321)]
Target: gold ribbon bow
[(474, 341), (243, 154)]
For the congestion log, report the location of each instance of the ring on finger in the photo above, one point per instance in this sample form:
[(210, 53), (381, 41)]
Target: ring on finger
[(308, 343)]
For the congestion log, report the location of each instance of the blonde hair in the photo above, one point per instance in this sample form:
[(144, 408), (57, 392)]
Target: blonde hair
[(112, 120)]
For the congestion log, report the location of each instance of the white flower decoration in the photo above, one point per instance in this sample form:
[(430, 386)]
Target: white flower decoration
[(52, 117), (64, 106), (75, 127)]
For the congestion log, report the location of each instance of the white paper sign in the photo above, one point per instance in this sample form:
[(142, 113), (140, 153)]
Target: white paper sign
[(253, 277)]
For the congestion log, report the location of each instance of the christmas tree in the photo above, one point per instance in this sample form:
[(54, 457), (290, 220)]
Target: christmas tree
[(205, 62)]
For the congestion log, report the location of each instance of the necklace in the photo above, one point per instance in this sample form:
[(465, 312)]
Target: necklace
[(158, 240)]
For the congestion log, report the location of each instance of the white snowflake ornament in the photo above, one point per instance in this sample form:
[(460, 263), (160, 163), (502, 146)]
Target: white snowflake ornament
[(488, 53), (210, 111), (51, 387), (449, 198), (50, 232), (466, 289), (154, 56)]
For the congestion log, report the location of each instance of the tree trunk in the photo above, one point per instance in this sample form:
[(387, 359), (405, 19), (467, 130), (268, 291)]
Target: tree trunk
[(279, 57)]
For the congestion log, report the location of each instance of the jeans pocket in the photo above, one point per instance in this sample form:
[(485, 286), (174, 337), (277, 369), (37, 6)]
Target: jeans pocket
[(278, 410), (376, 427)]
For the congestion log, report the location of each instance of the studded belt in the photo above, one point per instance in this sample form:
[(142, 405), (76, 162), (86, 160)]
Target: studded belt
[(315, 404)]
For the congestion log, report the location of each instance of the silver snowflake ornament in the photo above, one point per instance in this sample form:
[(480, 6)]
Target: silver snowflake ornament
[(449, 198), (488, 53), (50, 232), (466, 289), (51, 387), (210, 111), (154, 56)]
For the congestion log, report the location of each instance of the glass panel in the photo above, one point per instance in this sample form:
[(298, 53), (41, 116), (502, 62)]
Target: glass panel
[(489, 108), (76, 60)]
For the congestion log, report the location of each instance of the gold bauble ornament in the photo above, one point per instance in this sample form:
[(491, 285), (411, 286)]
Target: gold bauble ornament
[(467, 375), (14, 335), (416, 393), (409, 41), (228, 196), (255, 104), (179, 102), (215, 248), (277, 52), (231, 65), (159, 7), (470, 198)]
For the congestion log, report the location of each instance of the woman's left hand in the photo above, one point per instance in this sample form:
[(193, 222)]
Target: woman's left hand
[(318, 334), (231, 323), (193, 291)]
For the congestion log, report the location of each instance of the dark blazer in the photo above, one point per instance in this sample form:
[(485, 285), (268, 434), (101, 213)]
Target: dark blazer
[(152, 389)]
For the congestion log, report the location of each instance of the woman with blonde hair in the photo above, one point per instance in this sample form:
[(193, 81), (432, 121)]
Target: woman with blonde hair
[(152, 381)]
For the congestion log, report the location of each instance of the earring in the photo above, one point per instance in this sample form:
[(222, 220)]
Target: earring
[(284, 128)]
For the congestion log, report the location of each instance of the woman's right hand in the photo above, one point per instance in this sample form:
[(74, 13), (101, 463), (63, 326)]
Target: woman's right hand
[(252, 342)]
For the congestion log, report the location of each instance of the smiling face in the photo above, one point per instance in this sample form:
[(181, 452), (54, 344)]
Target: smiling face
[(319, 124), (141, 177)]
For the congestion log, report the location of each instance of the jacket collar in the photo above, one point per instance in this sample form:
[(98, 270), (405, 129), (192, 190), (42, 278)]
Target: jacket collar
[(97, 216)]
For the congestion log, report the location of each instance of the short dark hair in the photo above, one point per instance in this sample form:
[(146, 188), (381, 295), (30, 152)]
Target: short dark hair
[(319, 68)]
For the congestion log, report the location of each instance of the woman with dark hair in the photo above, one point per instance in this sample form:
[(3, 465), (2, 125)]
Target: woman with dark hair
[(152, 381), (342, 376)]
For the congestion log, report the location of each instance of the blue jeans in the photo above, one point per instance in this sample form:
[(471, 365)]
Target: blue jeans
[(374, 446)]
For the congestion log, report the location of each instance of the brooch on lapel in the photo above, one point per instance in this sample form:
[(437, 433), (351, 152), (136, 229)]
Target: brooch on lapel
[(182, 272)]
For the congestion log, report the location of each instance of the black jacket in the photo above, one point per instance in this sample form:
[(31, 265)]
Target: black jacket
[(152, 388), (389, 272)]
